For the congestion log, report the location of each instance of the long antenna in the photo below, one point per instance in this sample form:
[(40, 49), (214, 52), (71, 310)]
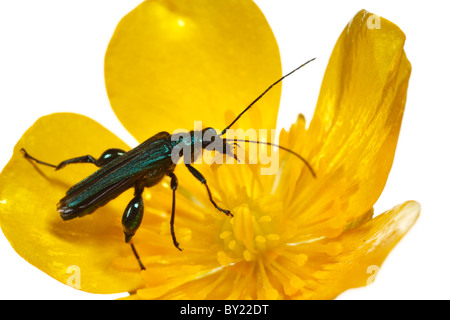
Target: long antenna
[(281, 147), (262, 94)]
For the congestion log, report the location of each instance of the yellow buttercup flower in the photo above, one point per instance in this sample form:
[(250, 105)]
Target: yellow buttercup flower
[(292, 236)]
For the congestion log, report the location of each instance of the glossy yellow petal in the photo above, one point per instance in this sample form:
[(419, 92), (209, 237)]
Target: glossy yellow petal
[(172, 62), (363, 250), (356, 124), (75, 252)]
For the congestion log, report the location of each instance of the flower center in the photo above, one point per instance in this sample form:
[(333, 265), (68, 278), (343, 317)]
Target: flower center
[(251, 232)]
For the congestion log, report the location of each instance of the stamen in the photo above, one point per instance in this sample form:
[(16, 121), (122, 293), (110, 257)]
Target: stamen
[(247, 256), (232, 244), (331, 249), (260, 243), (265, 219), (225, 234), (291, 282), (270, 292)]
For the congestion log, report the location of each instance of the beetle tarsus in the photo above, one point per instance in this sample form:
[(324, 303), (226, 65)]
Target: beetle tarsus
[(28, 156), (137, 256)]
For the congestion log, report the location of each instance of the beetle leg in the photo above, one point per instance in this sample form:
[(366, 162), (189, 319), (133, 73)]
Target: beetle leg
[(202, 179), (174, 187), (26, 155), (105, 158), (132, 218), (137, 256)]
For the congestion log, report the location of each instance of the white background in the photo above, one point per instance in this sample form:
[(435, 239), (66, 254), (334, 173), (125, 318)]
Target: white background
[(51, 60)]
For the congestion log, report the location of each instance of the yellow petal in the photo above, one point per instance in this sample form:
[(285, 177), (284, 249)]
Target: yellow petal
[(360, 109), (79, 251), (363, 251), (170, 63)]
